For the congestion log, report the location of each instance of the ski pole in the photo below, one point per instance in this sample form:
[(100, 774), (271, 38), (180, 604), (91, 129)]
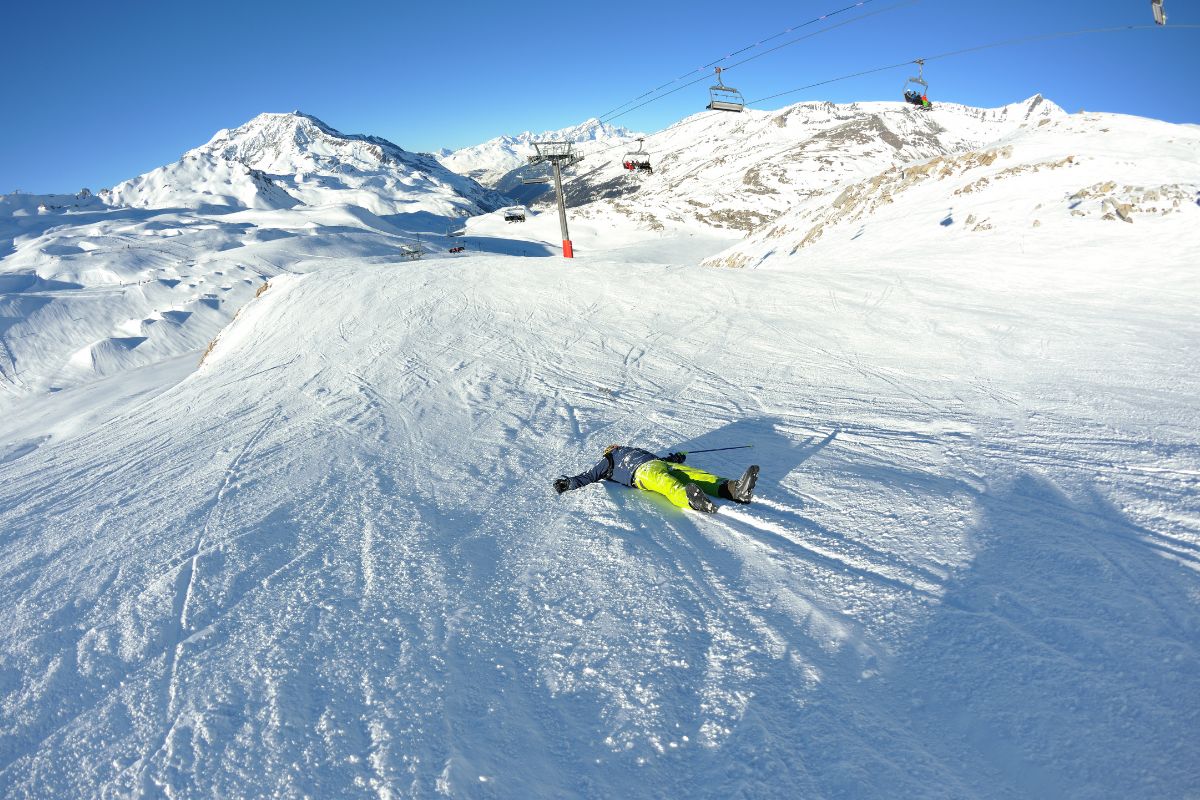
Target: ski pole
[(717, 449)]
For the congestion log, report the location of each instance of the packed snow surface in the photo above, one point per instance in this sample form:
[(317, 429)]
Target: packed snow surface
[(328, 561)]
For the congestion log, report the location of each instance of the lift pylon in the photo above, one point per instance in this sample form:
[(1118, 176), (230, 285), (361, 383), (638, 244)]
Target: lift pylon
[(558, 155)]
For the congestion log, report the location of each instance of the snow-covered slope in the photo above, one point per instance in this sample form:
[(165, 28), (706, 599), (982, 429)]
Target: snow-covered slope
[(89, 291), (328, 561), (278, 160), (741, 171), (493, 162), (21, 204), (203, 182), (1071, 176), (154, 271)]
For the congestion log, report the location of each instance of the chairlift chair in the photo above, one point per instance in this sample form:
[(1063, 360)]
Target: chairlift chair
[(514, 215), (724, 98), (638, 160), (914, 96), (1160, 16)]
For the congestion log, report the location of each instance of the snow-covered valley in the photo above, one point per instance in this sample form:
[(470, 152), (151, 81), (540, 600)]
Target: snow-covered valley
[(328, 562)]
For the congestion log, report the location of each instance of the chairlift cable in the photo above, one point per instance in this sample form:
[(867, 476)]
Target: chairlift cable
[(743, 61), (707, 67), (611, 116), (938, 56), (948, 54), (823, 30), (964, 51)]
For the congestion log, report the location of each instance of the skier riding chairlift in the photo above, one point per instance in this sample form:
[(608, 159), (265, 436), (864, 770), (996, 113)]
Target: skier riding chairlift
[(918, 98), (638, 160)]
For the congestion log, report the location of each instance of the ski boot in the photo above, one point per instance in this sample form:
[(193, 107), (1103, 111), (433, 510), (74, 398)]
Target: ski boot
[(698, 500), (741, 490)]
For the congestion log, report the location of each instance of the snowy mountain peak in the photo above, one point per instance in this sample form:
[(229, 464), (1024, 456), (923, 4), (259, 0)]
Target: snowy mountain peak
[(590, 130), (274, 142), (1034, 108), (492, 160), (279, 160)]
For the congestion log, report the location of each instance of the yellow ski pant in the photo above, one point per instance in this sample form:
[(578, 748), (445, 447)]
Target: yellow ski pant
[(670, 480)]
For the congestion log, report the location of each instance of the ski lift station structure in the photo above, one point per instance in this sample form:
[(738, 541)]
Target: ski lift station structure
[(724, 98)]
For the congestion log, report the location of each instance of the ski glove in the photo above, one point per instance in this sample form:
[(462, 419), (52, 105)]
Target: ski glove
[(675, 458), (562, 484)]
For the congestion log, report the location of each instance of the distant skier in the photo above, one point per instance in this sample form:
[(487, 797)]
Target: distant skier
[(685, 487)]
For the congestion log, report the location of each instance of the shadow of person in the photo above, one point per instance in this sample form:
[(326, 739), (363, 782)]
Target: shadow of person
[(775, 447), (1062, 661)]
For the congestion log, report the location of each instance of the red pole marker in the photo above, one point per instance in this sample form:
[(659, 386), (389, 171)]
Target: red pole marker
[(568, 251)]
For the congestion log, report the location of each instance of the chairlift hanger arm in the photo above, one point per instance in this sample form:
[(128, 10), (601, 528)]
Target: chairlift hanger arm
[(1160, 16)]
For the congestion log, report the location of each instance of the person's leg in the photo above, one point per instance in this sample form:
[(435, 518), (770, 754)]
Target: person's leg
[(711, 484), (658, 476)]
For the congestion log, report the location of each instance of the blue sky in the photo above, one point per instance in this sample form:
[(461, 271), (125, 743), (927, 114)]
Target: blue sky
[(94, 93)]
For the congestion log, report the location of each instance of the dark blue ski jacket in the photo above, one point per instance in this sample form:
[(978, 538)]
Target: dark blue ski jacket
[(619, 466)]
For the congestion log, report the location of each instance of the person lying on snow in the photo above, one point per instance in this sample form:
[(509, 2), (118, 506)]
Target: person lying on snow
[(686, 487)]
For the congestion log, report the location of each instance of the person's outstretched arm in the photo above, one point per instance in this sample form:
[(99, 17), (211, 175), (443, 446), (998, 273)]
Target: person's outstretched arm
[(597, 473)]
